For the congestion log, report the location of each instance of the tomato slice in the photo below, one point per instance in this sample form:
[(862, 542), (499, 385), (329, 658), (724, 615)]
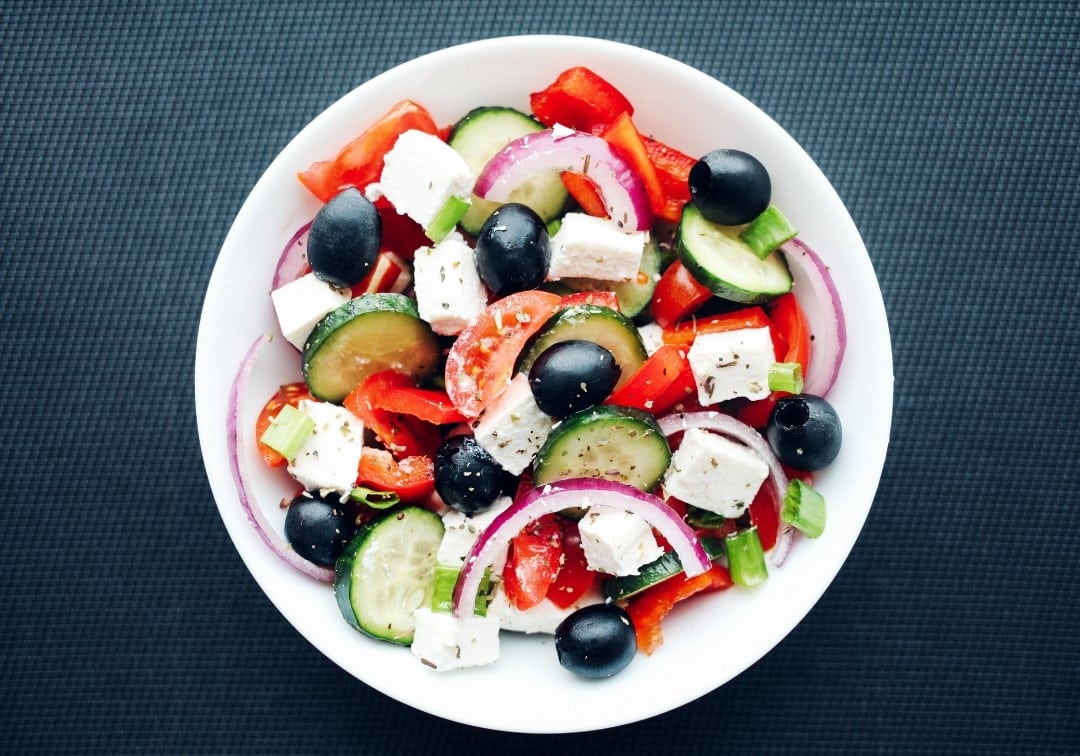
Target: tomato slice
[(649, 607), (403, 435), (584, 191), (532, 562), (481, 361), (575, 577), (677, 295), (663, 380), (291, 394), (360, 162), (411, 478), (581, 99), (624, 136), (607, 299)]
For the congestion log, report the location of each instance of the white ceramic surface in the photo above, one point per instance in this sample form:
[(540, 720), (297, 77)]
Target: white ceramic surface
[(713, 638)]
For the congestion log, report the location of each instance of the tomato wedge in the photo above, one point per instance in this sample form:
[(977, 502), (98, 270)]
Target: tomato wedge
[(360, 162), (660, 383), (581, 99), (481, 361), (649, 607), (532, 562), (607, 299), (291, 394), (677, 295), (403, 435), (411, 478), (575, 577)]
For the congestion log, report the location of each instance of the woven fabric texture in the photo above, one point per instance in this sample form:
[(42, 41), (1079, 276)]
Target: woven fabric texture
[(132, 133)]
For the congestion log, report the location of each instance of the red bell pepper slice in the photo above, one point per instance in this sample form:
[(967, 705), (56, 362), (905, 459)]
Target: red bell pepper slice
[(575, 577), (581, 99), (291, 394), (430, 405), (584, 191), (662, 381), (673, 170), (403, 435), (683, 334), (411, 478), (649, 607), (792, 330), (400, 233), (532, 562), (360, 162), (627, 141), (677, 295)]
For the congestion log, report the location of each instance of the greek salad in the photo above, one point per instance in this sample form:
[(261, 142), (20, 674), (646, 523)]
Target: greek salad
[(556, 376)]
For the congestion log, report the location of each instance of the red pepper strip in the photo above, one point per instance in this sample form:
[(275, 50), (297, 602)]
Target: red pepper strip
[(585, 193), (660, 383), (673, 169), (360, 162), (291, 394), (532, 562), (649, 607), (792, 329), (412, 478), (400, 233), (624, 136), (430, 405), (575, 577), (683, 334), (403, 435), (677, 295), (581, 99)]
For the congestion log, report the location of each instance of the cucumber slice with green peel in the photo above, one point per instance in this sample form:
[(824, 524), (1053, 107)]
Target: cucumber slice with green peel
[(657, 571), (633, 295), (607, 441), (363, 336), (477, 137), (387, 571), (726, 264), (588, 322)]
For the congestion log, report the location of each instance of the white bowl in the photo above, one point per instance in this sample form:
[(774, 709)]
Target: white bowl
[(707, 642)]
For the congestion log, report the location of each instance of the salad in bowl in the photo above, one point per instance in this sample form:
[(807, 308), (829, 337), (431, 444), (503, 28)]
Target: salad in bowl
[(545, 382)]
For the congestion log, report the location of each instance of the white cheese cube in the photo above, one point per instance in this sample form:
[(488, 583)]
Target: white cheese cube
[(731, 364), (444, 642), (328, 460), (542, 618), (462, 530), (421, 172), (652, 336), (449, 292), (617, 542), (589, 247), (715, 473), (302, 303), (512, 428)]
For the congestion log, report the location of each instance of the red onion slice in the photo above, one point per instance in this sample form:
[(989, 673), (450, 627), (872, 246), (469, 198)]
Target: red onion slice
[(235, 442), (562, 149), (292, 264), (817, 294), (562, 495), (739, 431)]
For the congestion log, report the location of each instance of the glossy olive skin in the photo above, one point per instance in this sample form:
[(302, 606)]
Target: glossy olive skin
[(318, 530), (467, 477), (596, 641), (571, 376), (344, 239), (804, 432), (730, 187), (512, 250)]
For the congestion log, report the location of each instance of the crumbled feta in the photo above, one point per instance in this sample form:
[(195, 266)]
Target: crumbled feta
[(714, 473), (420, 173), (652, 336), (462, 530), (513, 428), (617, 542), (329, 458), (589, 247), (542, 618), (732, 364), (449, 292), (445, 642), (302, 303)]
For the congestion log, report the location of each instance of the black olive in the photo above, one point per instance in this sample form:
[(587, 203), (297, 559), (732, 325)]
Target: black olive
[(512, 250), (573, 375), (318, 529), (345, 238), (804, 431), (467, 477), (730, 187), (596, 641)]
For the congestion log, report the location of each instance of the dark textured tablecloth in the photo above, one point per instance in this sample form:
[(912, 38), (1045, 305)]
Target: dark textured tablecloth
[(131, 136)]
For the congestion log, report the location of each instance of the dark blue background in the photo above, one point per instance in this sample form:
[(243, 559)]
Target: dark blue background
[(131, 136)]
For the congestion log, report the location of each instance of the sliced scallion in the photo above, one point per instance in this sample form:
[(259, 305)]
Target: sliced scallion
[(442, 593), (804, 508), (746, 558), (786, 376), (447, 217), (768, 231), (374, 499), (288, 431)]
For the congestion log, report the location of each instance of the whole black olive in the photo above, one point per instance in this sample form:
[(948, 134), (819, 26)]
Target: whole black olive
[(596, 641), (804, 431), (512, 250), (573, 375), (467, 477), (318, 529), (345, 239), (730, 187)]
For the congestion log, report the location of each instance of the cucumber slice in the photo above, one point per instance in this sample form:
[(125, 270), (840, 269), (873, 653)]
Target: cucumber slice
[(633, 295), (615, 443), (482, 133), (666, 566), (725, 264), (601, 325), (363, 336), (387, 571)]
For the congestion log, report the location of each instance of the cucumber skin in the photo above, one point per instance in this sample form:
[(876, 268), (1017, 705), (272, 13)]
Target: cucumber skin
[(666, 566)]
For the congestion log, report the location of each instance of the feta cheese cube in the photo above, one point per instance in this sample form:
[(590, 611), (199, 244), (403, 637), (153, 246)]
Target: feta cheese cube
[(462, 530), (449, 292), (420, 173), (444, 642), (589, 247), (302, 303), (714, 473), (731, 364), (652, 336), (542, 618), (617, 542), (512, 428), (329, 458)]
